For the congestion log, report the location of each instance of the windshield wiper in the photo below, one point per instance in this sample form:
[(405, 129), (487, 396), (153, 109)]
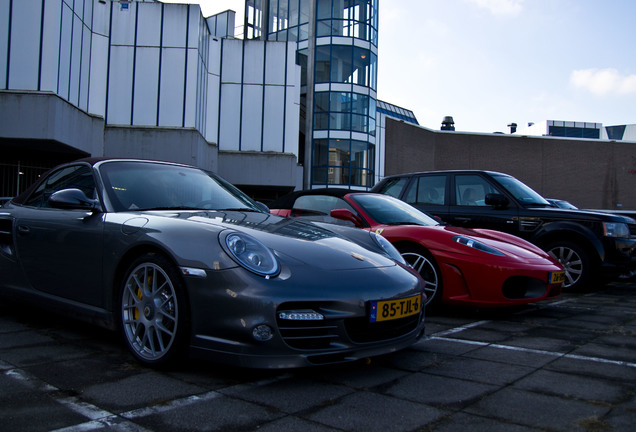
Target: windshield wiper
[(245, 209), (169, 208)]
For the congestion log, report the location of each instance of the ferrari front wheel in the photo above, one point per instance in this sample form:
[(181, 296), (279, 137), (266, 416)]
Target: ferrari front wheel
[(423, 262), (153, 310)]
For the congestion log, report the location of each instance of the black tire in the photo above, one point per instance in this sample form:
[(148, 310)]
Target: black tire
[(153, 310), (576, 262), (424, 263)]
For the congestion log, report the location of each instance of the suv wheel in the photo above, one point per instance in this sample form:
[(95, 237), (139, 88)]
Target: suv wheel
[(575, 261)]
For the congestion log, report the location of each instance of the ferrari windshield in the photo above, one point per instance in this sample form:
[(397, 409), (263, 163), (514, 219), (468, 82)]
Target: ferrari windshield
[(521, 191), (387, 210), (138, 185)]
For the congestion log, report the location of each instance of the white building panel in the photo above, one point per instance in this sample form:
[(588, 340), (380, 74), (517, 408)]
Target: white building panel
[(174, 25), (78, 7), (171, 87), (274, 116), (202, 95), (146, 87), (149, 26), (193, 25), (120, 85), (231, 63), (191, 89), (76, 58), (98, 75), (254, 58), (65, 46), (214, 56), (101, 18), (251, 126), (50, 46), (292, 117), (123, 28), (4, 41), (275, 63), (212, 108), (25, 45), (230, 117), (85, 69)]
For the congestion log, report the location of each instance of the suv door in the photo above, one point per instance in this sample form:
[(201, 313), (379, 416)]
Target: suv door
[(469, 209), (429, 193)]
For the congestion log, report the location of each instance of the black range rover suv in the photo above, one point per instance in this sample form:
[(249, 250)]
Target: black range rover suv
[(587, 243)]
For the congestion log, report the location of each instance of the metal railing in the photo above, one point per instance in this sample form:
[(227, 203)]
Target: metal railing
[(15, 178)]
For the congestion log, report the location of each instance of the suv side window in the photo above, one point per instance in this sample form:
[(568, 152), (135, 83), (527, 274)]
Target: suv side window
[(427, 190), (318, 207), (78, 176), (471, 190)]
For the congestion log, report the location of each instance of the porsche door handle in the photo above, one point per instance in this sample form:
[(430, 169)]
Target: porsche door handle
[(463, 219), (23, 230)]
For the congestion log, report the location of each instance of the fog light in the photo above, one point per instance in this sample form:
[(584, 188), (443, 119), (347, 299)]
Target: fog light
[(305, 315), (262, 333)]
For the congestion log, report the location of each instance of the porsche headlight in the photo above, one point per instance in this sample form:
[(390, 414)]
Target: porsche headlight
[(387, 247), (252, 254), (614, 229), (472, 243)]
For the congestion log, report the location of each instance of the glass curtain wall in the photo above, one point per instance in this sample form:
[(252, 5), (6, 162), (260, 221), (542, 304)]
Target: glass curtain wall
[(343, 78)]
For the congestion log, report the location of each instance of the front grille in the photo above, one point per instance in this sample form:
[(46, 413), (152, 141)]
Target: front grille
[(309, 335), (337, 331), (360, 330)]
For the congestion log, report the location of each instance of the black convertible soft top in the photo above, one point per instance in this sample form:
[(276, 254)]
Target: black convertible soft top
[(287, 201)]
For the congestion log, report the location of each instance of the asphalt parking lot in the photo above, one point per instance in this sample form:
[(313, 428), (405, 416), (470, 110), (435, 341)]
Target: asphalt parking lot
[(564, 365)]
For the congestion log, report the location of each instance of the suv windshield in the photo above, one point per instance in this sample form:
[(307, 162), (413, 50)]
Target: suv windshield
[(523, 193)]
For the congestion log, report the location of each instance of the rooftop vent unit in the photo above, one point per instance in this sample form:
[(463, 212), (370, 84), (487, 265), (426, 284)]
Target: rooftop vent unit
[(448, 124)]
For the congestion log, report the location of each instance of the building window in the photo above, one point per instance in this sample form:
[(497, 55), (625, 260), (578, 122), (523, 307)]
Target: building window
[(343, 162), (348, 18)]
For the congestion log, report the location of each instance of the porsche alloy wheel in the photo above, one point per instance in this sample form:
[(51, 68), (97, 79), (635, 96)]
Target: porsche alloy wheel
[(424, 264), (152, 309)]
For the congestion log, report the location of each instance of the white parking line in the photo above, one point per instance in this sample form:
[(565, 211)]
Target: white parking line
[(99, 418), (534, 351), (441, 335)]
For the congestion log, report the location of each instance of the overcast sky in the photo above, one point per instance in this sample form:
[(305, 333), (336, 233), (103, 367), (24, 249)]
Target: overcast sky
[(489, 63)]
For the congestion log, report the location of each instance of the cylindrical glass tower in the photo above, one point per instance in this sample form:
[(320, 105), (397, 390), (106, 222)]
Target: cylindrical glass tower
[(337, 50)]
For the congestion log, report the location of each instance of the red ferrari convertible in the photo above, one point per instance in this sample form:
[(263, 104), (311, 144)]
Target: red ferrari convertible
[(476, 267)]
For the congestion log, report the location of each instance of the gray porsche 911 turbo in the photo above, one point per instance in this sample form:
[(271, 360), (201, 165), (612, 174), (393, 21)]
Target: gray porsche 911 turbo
[(180, 261)]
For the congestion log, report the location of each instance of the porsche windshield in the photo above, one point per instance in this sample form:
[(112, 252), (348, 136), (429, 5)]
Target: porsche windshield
[(133, 185), (387, 210), (521, 191)]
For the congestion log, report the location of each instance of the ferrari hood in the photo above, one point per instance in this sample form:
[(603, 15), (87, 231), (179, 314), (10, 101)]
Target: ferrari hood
[(510, 245)]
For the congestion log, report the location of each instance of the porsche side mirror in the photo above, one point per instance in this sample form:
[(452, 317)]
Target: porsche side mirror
[(346, 215), (73, 199), (497, 200)]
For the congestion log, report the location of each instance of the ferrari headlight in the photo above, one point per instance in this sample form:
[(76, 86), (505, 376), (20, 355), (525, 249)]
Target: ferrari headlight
[(387, 247), (252, 254), (614, 229), (472, 243)]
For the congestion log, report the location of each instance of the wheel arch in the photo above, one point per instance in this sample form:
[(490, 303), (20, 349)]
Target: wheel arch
[(575, 233), (127, 258)]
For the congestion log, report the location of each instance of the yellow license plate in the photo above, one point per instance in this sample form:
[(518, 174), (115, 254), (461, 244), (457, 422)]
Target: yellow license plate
[(386, 310), (556, 277)]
